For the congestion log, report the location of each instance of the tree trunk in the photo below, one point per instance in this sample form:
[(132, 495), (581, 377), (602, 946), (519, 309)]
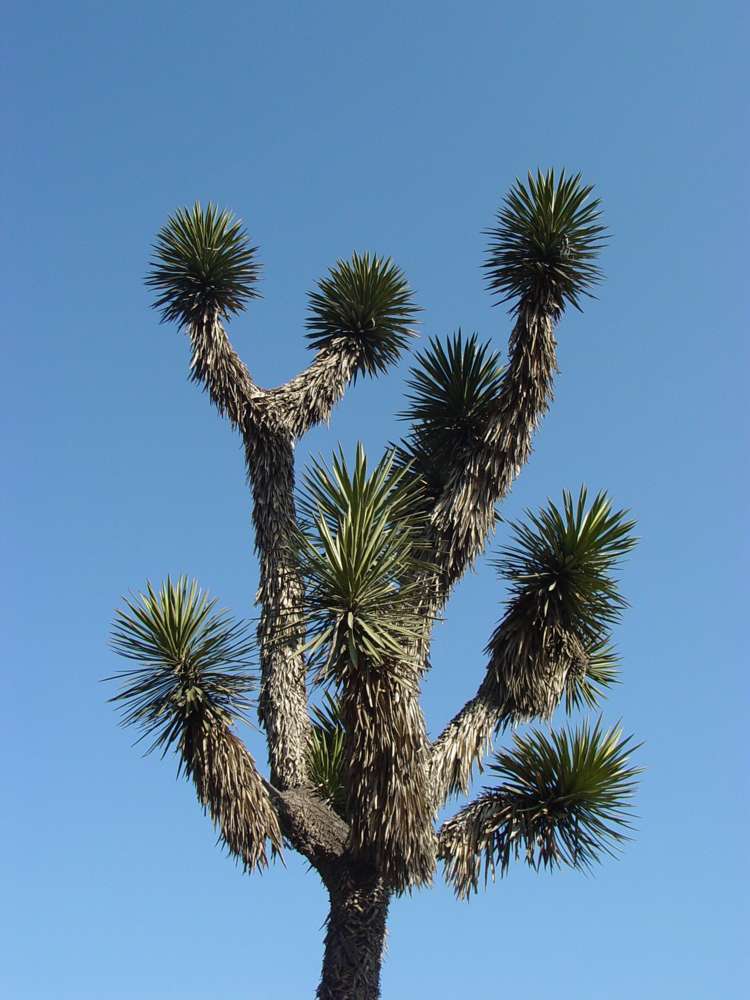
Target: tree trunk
[(355, 937)]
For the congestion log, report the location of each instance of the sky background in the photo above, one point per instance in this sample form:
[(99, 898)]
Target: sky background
[(397, 128)]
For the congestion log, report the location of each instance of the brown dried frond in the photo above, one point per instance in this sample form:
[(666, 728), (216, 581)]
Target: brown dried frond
[(389, 805), (232, 791)]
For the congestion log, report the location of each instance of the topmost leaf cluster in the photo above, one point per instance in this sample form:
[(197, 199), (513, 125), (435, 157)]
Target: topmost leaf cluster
[(203, 266), (544, 246)]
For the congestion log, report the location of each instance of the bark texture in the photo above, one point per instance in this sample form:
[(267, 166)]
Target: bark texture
[(465, 514), (355, 936), (283, 694)]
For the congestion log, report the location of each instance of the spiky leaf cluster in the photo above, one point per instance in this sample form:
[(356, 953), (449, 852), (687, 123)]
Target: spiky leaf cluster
[(366, 302), (543, 248), (454, 387), (193, 660), (191, 685), (358, 558), (203, 266), (563, 599), (560, 564), (564, 800), (356, 554)]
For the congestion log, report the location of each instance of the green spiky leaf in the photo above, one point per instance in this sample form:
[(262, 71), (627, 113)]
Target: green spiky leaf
[(203, 266), (325, 756), (560, 565), (544, 246), (454, 387), (368, 303), (565, 799), (194, 662), (590, 678), (357, 556)]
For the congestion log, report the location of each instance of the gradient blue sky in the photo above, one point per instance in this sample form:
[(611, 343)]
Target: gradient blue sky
[(395, 127)]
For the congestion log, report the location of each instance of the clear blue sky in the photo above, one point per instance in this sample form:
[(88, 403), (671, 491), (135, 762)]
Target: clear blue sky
[(394, 127)]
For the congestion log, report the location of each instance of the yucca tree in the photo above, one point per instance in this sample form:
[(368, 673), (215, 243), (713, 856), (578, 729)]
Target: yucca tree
[(357, 563)]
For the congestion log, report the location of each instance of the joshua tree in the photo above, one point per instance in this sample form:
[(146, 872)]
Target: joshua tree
[(358, 563)]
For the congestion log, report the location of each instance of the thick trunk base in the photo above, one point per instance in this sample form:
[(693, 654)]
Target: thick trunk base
[(355, 938)]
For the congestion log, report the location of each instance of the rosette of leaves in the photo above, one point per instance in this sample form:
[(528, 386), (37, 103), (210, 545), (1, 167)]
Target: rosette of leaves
[(356, 553), (365, 305), (454, 388), (564, 799), (563, 600), (545, 243), (191, 684), (204, 267)]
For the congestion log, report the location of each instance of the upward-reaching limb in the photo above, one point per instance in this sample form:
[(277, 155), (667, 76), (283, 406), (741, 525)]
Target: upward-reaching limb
[(190, 685), (204, 270), (357, 556), (541, 257), (563, 601), (361, 319)]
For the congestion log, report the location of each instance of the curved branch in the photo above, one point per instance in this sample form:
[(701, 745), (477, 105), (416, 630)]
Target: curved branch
[(465, 741), (465, 513), (525, 678), (217, 367), (229, 786), (309, 398), (565, 800)]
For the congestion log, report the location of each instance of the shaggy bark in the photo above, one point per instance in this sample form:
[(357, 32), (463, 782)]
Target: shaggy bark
[(465, 514), (309, 398), (355, 936), (216, 366), (283, 692)]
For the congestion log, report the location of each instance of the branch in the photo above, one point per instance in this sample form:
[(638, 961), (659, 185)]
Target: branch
[(357, 558), (389, 804), (203, 272), (229, 786), (308, 399), (464, 515), (190, 683), (525, 679), (542, 258), (216, 366), (360, 320), (465, 741), (563, 601), (564, 801), (283, 695)]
